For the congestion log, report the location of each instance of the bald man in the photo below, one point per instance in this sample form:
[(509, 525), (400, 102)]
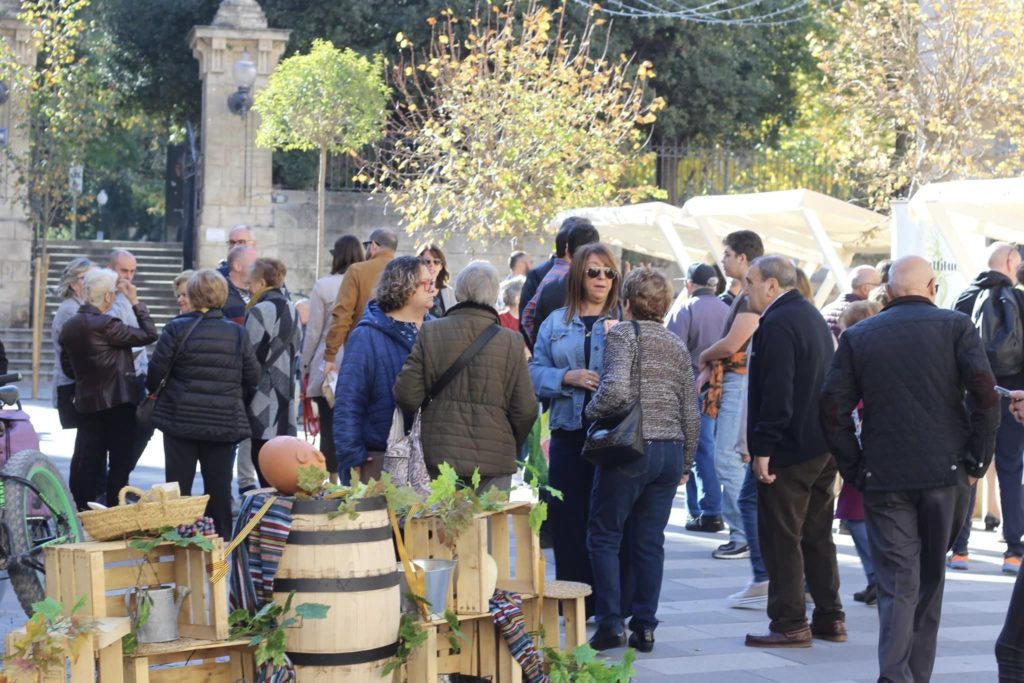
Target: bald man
[(863, 279), (920, 450), (997, 283)]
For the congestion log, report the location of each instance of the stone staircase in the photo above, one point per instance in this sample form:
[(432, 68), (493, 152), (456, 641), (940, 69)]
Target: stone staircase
[(158, 264)]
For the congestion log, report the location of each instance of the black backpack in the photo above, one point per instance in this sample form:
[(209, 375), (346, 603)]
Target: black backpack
[(997, 315)]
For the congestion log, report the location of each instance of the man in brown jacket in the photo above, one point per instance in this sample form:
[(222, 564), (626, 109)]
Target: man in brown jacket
[(484, 415), (357, 290)]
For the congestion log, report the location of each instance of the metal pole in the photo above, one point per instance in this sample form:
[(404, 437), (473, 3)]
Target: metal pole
[(38, 310), (74, 216)]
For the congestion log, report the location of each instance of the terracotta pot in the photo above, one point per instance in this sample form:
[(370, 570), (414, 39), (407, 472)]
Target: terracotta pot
[(281, 458)]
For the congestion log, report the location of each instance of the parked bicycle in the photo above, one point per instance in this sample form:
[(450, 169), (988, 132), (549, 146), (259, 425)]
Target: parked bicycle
[(36, 508)]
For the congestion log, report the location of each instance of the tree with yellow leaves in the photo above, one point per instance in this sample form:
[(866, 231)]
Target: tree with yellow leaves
[(923, 91), (506, 120)]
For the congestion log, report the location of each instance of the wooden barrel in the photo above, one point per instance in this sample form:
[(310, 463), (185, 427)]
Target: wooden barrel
[(349, 565)]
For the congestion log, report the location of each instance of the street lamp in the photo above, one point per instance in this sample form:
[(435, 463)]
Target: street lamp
[(244, 73), (101, 201)]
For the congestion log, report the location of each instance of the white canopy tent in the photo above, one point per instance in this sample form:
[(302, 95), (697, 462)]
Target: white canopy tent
[(811, 227), (964, 214)]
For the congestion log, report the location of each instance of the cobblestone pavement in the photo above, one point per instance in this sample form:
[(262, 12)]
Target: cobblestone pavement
[(700, 638)]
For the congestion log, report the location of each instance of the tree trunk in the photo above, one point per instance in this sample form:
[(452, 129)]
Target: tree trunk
[(321, 208)]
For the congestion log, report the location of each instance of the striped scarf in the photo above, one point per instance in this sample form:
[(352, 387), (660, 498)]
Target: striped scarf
[(737, 363), (506, 609), (254, 564)]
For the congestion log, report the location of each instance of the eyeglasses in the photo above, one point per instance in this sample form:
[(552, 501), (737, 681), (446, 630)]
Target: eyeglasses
[(431, 261), (607, 271), (428, 285), (237, 243), (367, 243)]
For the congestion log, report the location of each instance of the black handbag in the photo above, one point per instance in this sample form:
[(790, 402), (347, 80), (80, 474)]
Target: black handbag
[(144, 411), (66, 406), (619, 439)]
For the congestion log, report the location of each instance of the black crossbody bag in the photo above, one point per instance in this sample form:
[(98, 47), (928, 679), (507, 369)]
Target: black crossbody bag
[(619, 439)]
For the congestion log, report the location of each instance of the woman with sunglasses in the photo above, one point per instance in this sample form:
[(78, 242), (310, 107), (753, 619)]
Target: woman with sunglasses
[(566, 368), (433, 258)]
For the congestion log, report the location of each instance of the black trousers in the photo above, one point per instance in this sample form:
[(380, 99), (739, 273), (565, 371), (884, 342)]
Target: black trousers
[(794, 526), (104, 438), (257, 446), (1010, 644), (216, 459), (326, 413), (909, 533)]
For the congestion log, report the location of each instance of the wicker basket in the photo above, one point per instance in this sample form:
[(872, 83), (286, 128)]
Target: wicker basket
[(117, 522)]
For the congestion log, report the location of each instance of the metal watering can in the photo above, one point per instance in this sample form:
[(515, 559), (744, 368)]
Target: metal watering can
[(161, 624)]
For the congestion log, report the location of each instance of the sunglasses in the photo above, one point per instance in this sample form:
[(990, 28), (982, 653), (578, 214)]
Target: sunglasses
[(238, 243), (607, 271), (432, 261), (367, 244)]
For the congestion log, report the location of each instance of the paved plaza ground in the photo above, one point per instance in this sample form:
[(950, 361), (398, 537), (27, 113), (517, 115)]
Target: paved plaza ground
[(700, 638)]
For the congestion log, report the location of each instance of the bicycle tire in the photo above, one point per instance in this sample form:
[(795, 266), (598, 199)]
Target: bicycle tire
[(34, 466)]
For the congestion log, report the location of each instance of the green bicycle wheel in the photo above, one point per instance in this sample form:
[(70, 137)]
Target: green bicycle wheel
[(32, 521)]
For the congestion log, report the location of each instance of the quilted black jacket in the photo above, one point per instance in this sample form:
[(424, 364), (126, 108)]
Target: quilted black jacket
[(911, 365), (215, 371)]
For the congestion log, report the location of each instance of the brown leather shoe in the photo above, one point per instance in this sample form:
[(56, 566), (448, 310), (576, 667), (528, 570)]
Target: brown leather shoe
[(798, 638), (836, 632)]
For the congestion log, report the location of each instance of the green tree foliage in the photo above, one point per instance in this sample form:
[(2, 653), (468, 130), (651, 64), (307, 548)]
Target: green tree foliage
[(65, 100), (330, 100), (504, 121), (917, 92)]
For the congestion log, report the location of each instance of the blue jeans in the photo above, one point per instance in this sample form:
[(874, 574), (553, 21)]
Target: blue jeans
[(703, 490), (748, 509), (641, 494), (728, 462), (859, 530)]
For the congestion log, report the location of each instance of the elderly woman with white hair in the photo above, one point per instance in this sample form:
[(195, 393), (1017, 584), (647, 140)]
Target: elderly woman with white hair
[(96, 351), (483, 415)]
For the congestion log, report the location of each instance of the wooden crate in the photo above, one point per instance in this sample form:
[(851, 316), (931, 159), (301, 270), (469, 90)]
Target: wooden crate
[(189, 660), (105, 571), (104, 656), (508, 537), (486, 653)]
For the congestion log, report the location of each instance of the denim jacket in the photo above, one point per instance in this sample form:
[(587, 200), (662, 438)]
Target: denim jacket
[(559, 349)]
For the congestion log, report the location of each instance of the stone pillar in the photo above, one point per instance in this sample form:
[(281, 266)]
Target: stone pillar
[(15, 229), (236, 176)]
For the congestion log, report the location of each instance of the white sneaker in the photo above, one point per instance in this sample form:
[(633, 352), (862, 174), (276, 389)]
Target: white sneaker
[(754, 596)]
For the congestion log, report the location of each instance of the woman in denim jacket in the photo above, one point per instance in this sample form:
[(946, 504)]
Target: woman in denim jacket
[(566, 369)]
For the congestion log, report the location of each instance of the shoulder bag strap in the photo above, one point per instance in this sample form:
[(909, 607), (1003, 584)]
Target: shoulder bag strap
[(639, 370), (174, 356), (460, 363)]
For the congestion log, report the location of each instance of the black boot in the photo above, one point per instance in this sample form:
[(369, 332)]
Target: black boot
[(608, 637)]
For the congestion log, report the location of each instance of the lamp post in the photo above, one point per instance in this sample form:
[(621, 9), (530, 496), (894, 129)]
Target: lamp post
[(244, 73), (101, 201)]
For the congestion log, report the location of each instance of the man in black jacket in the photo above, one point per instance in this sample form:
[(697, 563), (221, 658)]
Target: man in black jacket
[(789, 355), (920, 449), (1002, 265)]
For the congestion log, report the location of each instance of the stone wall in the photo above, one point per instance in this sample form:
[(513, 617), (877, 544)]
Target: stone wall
[(293, 235)]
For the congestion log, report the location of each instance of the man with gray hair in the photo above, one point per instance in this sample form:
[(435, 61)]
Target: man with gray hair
[(789, 355), (123, 262), (357, 290), (919, 450), (997, 310), (483, 416), (863, 279)]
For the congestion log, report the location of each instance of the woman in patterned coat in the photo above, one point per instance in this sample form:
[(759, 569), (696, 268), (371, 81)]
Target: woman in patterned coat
[(274, 331)]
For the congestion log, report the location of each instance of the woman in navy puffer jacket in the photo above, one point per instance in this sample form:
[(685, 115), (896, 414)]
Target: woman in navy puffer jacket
[(374, 354)]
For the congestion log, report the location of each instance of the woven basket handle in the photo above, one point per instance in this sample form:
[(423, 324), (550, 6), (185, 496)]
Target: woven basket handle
[(139, 492)]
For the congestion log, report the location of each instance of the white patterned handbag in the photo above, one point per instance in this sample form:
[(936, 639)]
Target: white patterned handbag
[(403, 459)]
